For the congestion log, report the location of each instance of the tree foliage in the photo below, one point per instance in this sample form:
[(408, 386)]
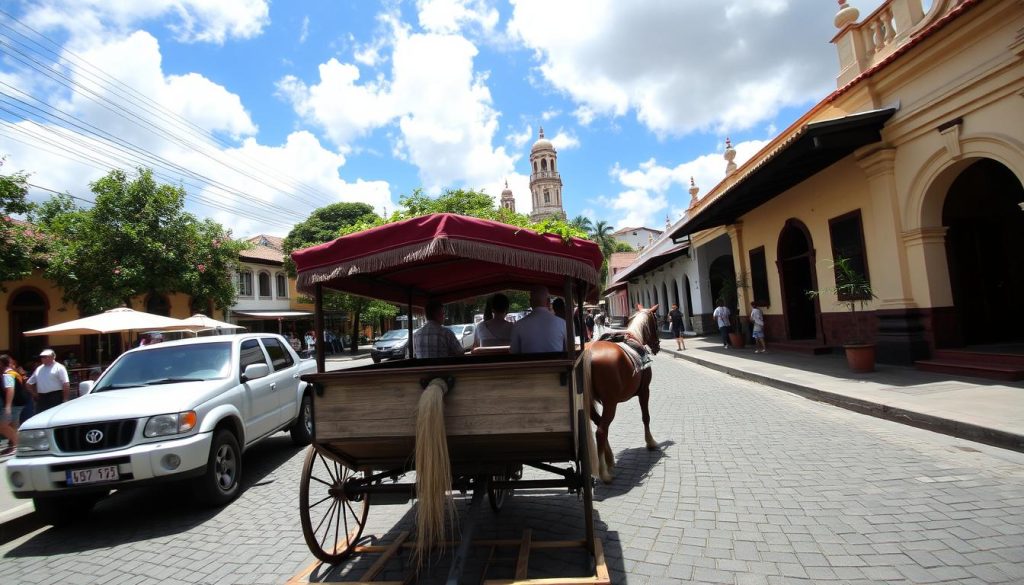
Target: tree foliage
[(20, 250), (136, 239)]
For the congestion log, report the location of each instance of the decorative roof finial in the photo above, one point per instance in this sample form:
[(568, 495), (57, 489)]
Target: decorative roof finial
[(668, 222), (730, 153), (541, 132), (694, 189), (847, 15)]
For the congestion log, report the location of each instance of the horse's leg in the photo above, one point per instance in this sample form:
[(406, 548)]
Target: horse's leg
[(604, 449), (644, 395)]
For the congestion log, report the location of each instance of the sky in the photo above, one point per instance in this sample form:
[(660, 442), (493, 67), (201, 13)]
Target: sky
[(264, 111)]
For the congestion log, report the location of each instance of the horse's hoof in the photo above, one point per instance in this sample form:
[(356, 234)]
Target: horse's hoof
[(651, 447), (607, 479)]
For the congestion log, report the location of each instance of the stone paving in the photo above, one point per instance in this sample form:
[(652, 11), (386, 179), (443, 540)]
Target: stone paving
[(751, 485)]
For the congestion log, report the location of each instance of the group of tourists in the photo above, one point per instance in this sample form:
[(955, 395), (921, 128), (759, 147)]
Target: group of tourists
[(48, 386)]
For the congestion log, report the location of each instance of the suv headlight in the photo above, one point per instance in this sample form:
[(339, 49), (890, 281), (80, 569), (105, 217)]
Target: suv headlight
[(170, 424), (35, 440)]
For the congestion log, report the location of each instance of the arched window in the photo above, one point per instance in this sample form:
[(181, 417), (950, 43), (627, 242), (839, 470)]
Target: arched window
[(547, 196), (535, 166), (244, 284), (264, 282), (543, 164), (282, 286), (158, 305)]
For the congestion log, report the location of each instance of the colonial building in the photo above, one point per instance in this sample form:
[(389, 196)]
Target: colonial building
[(545, 181), (637, 237), (912, 169), (266, 298)]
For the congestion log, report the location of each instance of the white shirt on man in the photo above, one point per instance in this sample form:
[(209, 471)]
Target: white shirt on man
[(721, 316), (49, 378), (539, 332)]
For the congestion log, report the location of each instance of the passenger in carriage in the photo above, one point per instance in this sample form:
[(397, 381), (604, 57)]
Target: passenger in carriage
[(495, 331), (434, 340), (540, 331)]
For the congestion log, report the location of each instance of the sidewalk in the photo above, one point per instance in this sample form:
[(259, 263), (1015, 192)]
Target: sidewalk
[(980, 410)]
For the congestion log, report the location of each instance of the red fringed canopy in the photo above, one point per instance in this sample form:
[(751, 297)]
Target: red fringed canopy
[(446, 257)]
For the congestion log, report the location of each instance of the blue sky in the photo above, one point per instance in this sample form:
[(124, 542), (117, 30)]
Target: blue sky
[(264, 111)]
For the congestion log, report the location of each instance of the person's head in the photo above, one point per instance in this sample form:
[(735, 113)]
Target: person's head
[(5, 361), (539, 296), (47, 356), (156, 337), (558, 307), (721, 302), (499, 305), (753, 304), (435, 311), (675, 306)]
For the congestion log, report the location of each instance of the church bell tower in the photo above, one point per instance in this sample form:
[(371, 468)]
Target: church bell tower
[(545, 182)]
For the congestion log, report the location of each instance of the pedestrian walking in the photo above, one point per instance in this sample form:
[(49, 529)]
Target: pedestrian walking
[(721, 316), (757, 318), (675, 319), (14, 398), (49, 383)]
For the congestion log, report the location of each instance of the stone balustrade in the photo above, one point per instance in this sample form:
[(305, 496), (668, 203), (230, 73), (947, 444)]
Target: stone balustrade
[(863, 44)]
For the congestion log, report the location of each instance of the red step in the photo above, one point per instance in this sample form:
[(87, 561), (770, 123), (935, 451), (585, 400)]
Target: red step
[(993, 366)]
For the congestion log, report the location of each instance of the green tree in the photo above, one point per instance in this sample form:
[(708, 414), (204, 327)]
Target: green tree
[(582, 223), (136, 238), (623, 247), (326, 224), (18, 248)]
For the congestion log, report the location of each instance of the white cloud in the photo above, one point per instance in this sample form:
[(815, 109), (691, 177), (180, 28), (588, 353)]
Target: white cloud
[(565, 140), (549, 114), (653, 189), (195, 20), (443, 109), (304, 31), (519, 139), (681, 66), (451, 16)]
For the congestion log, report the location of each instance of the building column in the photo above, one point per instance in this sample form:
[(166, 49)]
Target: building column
[(739, 263), (901, 328)]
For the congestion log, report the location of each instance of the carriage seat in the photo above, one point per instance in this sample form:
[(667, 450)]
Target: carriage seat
[(491, 350)]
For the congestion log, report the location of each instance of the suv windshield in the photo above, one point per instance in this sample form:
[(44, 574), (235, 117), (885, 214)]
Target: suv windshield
[(394, 334), (166, 365)]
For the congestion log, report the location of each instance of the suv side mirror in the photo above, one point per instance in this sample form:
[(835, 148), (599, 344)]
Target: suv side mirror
[(85, 387), (255, 372)]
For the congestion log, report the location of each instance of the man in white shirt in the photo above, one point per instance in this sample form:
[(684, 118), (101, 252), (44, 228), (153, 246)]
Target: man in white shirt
[(541, 331), (49, 383), (721, 316)]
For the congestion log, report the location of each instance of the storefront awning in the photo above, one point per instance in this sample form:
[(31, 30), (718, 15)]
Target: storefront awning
[(273, 314), (811, 149)]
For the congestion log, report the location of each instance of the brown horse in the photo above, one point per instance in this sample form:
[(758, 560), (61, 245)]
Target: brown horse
[(612, 381)]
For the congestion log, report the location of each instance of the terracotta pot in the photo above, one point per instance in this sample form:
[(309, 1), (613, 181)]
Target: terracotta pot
[(860, 357), (737, 340)]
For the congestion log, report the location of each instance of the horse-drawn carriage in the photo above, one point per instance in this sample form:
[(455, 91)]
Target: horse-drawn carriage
[(466, 424)]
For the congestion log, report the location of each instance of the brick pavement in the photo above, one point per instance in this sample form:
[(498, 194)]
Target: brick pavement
[(752, 485)]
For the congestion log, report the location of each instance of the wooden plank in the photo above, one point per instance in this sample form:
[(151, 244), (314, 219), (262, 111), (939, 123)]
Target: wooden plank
[(378, 566), (523, 560)]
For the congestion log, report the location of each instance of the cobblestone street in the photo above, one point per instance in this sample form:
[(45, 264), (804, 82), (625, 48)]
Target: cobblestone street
[(751, 485)]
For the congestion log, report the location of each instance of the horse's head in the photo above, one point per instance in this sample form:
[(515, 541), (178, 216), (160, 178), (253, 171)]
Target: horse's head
[(643, 325)]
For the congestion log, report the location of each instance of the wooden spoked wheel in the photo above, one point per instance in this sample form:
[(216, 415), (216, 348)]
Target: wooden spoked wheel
[(331, 522), (497, 497)]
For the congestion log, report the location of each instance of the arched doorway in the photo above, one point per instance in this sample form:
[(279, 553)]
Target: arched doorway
[(27, 309), (985, 234), (720, 272), (796, 274), (689, 297)]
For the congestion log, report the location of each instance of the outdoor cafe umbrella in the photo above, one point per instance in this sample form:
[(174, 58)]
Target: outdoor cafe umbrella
[(200, 321), (112, 321)]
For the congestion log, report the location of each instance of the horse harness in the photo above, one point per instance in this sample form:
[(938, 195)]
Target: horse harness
[(637, 353)]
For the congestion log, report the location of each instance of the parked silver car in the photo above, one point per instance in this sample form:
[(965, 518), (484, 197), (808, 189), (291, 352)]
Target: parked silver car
[(465, 334)]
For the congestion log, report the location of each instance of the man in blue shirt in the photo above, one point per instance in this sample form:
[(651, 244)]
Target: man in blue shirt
[(541, 331)]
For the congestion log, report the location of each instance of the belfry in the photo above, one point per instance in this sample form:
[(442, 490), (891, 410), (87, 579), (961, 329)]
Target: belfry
[(545, 182)]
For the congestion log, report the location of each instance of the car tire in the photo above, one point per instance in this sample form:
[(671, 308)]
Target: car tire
[(66, 509), (302, 429), (376, 359), (220, 483)]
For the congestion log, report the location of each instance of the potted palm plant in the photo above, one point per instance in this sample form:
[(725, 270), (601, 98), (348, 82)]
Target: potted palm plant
[(852, 288)]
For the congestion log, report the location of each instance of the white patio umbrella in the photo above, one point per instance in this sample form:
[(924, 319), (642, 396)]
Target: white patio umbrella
[(200, 321), (112, 321)]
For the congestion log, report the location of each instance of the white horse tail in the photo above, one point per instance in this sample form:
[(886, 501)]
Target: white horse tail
[(433, 472), (588, 404)]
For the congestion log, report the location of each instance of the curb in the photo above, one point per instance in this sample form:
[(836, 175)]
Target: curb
[(946, 426)]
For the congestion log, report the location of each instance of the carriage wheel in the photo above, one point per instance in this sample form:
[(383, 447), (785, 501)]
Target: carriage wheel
[(497, 497), (588, 481), (331, 522)]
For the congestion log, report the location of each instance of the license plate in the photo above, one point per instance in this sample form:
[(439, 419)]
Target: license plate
[(92, 475)]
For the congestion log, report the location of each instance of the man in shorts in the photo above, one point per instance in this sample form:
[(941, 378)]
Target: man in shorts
[(757, 318)]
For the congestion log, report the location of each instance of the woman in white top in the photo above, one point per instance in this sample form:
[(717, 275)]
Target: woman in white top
[(496, 330)]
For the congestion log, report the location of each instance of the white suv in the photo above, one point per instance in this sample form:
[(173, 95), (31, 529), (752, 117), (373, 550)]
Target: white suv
[(171, 411)]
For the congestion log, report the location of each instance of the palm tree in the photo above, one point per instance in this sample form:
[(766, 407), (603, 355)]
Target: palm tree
[(602, 235), (583, 223)]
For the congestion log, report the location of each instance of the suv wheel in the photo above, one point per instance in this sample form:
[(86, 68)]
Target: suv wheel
[(302, 428), (219, 485)]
